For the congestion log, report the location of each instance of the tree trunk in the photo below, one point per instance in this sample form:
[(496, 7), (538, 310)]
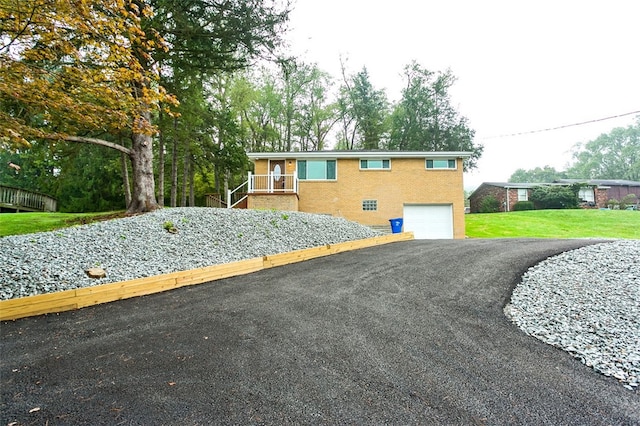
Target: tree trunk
[(126, 185), (174, 168), (160, 166), (143, 198), (185, 179), (192, 193)]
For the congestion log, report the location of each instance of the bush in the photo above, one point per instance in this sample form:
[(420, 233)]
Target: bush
[(613, 204), (554, 197), (523, 205), (628, 200), (489, 204)]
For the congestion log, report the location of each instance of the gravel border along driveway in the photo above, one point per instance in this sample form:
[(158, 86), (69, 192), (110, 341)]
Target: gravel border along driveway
[(406, 333)]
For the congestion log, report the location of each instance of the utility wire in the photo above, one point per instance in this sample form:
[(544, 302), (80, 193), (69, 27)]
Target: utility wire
[(563, 127)]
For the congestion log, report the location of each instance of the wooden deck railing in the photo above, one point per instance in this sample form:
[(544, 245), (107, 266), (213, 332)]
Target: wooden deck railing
[(22, 200)]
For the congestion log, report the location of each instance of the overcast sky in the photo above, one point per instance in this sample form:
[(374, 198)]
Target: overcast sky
[(521, 65)]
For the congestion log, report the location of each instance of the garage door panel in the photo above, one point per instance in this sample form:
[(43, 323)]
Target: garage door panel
[(428, 221)]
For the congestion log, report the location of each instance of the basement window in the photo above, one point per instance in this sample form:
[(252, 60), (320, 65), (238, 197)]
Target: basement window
[(369, 205)]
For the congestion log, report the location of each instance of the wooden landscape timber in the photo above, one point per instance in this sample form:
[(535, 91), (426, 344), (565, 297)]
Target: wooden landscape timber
[(68, 300)]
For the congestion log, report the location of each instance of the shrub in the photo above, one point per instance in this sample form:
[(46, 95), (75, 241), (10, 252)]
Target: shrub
[(628, 200), (613, 204), (489, 204), (523, 205), (554, 197)]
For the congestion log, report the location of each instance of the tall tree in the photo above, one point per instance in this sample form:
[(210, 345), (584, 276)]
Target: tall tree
[(425, 120), (363, 111), (209, 39), (78, 72), (615, 155), (316, 114)]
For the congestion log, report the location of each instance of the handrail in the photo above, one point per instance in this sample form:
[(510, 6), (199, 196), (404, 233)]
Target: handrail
[(215, 200), (263, 184), (21, 199), (234, 197)]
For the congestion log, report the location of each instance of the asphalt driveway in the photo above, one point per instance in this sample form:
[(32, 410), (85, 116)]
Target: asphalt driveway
[(406, 333)]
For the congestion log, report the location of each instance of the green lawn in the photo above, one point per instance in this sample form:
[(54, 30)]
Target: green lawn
[(555, 224), (27, 223)]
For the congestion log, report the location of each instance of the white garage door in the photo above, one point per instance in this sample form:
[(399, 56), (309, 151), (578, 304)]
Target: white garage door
[(429, 221)]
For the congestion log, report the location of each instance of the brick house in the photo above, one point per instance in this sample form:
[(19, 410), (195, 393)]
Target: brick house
[(368, 187), (608, 189), (594, 193)]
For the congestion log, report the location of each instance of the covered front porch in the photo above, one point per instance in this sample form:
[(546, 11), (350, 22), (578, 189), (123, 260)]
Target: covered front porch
[(271, 191)]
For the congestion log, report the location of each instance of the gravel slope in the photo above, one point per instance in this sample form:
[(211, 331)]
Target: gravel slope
[(140, 246)]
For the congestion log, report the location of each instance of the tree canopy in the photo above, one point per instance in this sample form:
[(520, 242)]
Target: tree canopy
[(613, 155), (425, 120), (537, 175), (181, 89)]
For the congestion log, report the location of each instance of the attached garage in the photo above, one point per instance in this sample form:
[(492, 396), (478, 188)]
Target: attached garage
[(429, 221)]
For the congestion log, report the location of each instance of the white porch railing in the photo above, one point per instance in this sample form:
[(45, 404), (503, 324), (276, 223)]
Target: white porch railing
[(263, 184)]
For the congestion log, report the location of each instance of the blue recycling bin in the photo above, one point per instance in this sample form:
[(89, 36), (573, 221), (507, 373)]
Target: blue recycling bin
[(396, 225)]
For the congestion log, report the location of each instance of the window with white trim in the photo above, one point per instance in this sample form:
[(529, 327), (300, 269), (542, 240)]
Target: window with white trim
[(370, 164), (586, 194), (317, 169), (369, 205), (523, 194), (441, 164)]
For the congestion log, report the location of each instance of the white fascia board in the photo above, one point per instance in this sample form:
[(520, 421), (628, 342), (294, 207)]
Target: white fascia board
[(304, 155)]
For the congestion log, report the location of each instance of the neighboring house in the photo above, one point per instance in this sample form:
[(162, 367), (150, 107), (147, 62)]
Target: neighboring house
[(608, 189), (369, 187), (507, 194), (593, 193)]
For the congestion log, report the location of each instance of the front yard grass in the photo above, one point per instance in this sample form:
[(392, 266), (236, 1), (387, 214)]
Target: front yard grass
[(27, 223), (576, 223)]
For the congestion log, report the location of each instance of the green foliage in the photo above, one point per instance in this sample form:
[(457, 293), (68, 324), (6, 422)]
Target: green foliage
[(83, 178), (574, 223), (425, 120), (628, 200), (554, 197), (615, 155), (538, 175), (489, 204), (169, 227), (523, 205), (364, 112)]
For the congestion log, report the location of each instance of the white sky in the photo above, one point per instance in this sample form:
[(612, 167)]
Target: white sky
[(521, 65)]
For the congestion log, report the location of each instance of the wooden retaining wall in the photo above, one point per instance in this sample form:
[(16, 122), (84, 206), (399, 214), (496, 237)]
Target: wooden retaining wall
[(88, 296)]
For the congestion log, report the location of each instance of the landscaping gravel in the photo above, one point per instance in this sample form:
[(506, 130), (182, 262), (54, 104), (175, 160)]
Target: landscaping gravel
[(586, 302), (143, 246)]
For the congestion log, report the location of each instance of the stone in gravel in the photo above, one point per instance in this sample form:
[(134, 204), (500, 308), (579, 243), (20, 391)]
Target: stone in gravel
[(96, 273)]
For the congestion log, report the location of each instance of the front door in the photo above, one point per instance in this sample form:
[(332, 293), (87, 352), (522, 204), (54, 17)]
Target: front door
[(277, 175)]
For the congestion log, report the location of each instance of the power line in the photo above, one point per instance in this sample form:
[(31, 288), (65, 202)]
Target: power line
[(563, 127)]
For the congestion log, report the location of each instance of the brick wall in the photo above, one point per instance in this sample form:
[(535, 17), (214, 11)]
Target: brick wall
[(408, 181), (285, 202)]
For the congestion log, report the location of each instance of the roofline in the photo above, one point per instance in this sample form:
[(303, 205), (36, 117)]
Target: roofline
[(357, 154)]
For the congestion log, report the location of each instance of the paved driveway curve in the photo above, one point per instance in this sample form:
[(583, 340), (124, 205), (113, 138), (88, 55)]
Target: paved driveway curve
[(407, 333)]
